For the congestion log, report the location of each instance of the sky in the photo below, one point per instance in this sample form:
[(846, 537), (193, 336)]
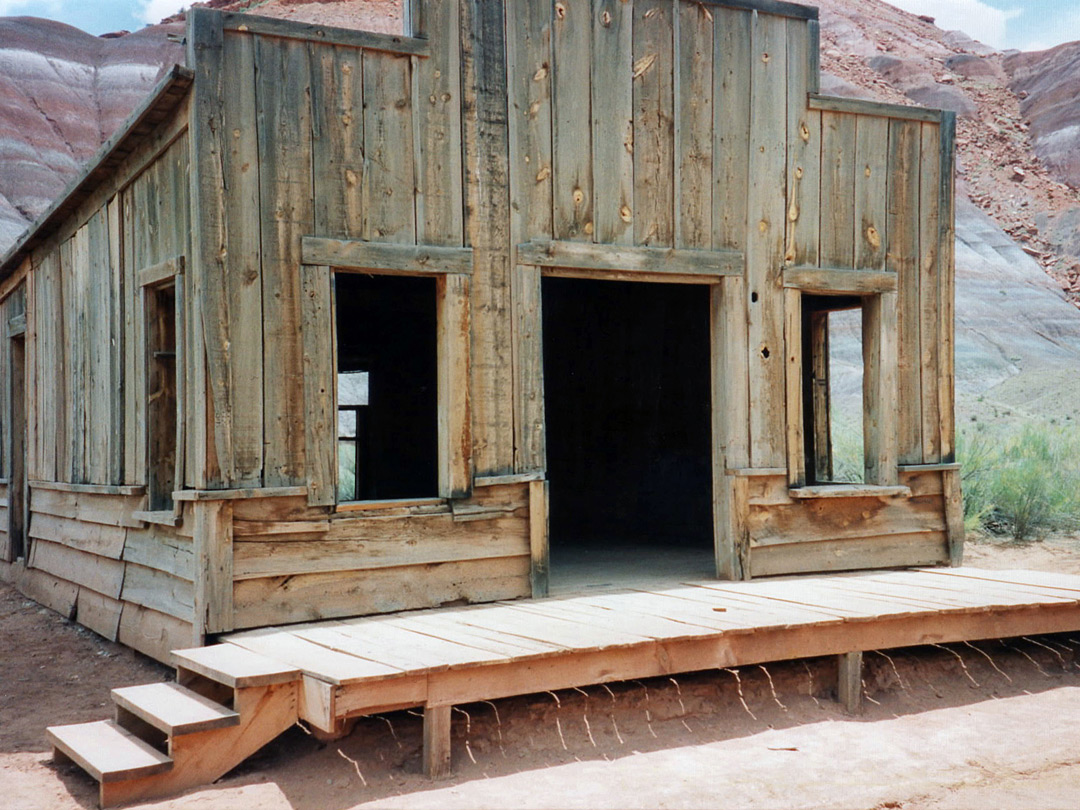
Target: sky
[(1028, 25)]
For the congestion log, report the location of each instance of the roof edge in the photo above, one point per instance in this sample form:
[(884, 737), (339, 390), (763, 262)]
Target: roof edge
[(161, 100), (778, 7)]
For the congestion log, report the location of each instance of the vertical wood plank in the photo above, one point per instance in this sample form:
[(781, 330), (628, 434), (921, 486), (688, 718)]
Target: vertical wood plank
[(539, 538), (954, 516), (731, 126), (98, 417), (793, 377), (529, 54), (902, 258), (212, 546), (765, 239), (455, 436), (68, 291), (654, 122), (116, 297), (44, 398), (804, 149), (80, 346), (871, 179), (337, 123), (930, 291), (837, 189), (209, 239), (487, 205), (244, 291), (530, 448), (320, 379), (947, 281), (693, 130), (572, 192), (59, 395), (816, 356), (612, 121), (284, 114), (730, 422), (879, 389), (438, 82), (388, 182)]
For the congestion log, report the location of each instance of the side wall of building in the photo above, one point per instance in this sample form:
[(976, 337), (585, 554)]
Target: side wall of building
[(89, 552)]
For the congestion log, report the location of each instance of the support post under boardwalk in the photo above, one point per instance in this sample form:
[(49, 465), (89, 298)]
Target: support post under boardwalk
[(848, 681), (437, 741)]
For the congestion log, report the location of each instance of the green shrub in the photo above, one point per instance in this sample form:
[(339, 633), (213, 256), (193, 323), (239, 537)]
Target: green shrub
[(1021, 483)]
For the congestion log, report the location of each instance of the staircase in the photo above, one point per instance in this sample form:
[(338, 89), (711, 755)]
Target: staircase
[(227, 703)]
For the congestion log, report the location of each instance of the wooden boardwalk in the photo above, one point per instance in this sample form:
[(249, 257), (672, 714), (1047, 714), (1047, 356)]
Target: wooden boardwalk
[(438, 658)]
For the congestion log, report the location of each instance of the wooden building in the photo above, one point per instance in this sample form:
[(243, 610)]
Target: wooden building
[(330, 326)]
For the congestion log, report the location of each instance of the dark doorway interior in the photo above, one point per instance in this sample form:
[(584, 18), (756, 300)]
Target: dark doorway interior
[(627, 403), (387, 377)]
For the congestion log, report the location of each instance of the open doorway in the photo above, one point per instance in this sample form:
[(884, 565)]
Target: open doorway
[(628, 411)]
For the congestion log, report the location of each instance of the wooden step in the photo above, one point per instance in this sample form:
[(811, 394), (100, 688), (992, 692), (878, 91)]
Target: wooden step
[(107, 752), (234, 666), (173, 708)]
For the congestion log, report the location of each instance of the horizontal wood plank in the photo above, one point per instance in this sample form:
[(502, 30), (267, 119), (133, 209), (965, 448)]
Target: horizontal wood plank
[(355, 254), (662, 261), (860, 106), (817, 279), (237, 494), (349, 37), (380, 545), (160, 273)]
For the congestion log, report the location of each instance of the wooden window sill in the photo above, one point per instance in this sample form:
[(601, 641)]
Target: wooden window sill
[(164, 517), (849, 491)]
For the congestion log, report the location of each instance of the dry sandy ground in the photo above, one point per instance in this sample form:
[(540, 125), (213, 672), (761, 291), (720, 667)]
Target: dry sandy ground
[(961, 727)]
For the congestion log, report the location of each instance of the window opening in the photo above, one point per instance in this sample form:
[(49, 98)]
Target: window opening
[(161, 399), (386, 386), (833, 405)]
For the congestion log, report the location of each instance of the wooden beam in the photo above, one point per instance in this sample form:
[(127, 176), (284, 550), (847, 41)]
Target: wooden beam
[(350, 38), (798, 12), (849, 681), (849, 491), (454, 374), (503, 480), (859, 106), (213, 568), (93, 489), (437, 741), (827, 280), (654, 261), (17, 325), (373, 257), (538, 538), (236, 494), (161, 272), (954, 515), (320, 395)]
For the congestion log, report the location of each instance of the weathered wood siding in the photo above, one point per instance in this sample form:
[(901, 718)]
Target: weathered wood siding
[(90, 557), (316, 139), (292, 562), (94, 562)]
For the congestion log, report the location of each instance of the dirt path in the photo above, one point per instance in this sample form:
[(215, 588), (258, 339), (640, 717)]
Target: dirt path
[(952, 728)]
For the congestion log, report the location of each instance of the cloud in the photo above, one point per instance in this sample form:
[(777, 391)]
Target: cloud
[(974, 17), (154, 11)]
